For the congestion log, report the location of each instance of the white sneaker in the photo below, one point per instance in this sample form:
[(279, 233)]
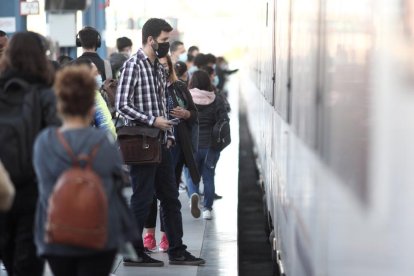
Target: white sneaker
[(195, 210), (207, 214)]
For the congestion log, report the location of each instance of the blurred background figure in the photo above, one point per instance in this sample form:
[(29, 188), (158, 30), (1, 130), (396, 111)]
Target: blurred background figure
[(124, 46), (3, 42), (181, 71), (90, 40), (75, 88), (24, 71), (222, 72), (193, 51), (177, 51), (63, 60)]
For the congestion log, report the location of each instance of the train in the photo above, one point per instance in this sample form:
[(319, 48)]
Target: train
[(329, 97)]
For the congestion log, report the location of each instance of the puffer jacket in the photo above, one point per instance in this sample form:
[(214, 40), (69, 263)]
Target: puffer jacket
[(210, 110)]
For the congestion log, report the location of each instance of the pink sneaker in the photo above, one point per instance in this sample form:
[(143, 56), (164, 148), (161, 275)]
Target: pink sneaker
[(164, 244), (149, 242)]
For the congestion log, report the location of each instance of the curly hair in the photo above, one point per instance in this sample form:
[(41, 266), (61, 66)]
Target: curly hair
[(75, 90)]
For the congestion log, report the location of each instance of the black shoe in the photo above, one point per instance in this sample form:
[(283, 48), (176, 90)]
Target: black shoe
[(186, 259), (216, 196), (143, 260)]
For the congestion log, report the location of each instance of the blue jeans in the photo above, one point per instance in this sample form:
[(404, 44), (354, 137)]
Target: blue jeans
[(157, 179), (206, 160)]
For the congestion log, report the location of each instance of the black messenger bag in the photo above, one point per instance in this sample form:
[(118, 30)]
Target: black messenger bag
[(140, 144)]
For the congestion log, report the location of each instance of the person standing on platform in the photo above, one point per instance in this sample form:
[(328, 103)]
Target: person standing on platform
[(117, 60), (55, 152), (141, 99), (90, 40), (177, 50), (211, 109), (180, 105), (25, 79)]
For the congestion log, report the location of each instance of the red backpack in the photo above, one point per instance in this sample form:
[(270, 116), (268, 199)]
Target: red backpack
[(78, 206)]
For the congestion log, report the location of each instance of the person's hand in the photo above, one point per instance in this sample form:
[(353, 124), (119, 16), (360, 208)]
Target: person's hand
[(169, 143), (179, 112), (163, 124)]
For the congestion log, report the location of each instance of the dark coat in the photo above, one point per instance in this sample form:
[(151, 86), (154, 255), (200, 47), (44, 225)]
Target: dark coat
[(208, 116), (96, 59), (187, 131)]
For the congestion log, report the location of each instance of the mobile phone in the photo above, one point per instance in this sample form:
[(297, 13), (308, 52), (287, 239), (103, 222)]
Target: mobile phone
[(175, 121)]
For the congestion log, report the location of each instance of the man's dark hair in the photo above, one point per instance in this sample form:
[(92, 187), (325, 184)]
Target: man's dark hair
[(211, 58), (208, 69), (192, 49), (200, 60), (190, 58), (89, 38), (2, 33), (63, 60), (153, 27), (201, 80), (174, 46), (123, 42)]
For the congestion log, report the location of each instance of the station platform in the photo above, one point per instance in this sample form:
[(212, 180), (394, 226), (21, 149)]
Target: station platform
[(214, 240)]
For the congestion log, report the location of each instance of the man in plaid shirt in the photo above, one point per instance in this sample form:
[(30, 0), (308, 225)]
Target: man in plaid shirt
[(141, 99)]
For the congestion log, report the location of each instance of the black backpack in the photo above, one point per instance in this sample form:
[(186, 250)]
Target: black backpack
[(221, 135), (20, 122)]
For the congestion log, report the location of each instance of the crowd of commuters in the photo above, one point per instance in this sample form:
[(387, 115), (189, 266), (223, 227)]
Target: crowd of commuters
[(64, 114)]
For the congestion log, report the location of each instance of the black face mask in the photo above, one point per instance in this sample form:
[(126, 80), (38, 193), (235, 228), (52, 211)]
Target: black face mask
[(162, 49)]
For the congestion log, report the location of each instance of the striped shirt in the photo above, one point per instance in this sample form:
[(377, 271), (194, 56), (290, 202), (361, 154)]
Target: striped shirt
[(140, 97)]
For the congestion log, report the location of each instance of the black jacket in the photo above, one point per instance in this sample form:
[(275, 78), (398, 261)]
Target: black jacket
[(96, 59), (187, 131), (208, 115), (26, 184)]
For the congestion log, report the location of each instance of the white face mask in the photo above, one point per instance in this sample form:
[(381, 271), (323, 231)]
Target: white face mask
[(182, 57), (98, 80)]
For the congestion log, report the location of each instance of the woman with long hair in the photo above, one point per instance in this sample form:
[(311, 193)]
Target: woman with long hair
[(27, 105), (211, 109)]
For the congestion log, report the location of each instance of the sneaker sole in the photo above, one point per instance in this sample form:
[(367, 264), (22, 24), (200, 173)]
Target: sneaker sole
[(144, 264), (195, 263), (151, 250), (195, 211), (162, 249)]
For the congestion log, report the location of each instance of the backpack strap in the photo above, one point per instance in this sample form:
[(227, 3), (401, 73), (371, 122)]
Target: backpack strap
[(75, 159), (18, 81), (108, 69)]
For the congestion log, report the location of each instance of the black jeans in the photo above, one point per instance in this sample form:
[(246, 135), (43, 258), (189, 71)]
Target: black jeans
[(99, 264), (178, 163), (16, 240), (151, 220), (157, 179)]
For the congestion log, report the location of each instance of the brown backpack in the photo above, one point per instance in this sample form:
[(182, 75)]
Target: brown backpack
[(78, 207)]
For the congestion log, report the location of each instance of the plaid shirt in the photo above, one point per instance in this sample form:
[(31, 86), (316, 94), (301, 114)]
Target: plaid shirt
[(140, 96)]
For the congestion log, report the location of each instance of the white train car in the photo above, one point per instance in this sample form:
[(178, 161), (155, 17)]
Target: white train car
[(329, 93)]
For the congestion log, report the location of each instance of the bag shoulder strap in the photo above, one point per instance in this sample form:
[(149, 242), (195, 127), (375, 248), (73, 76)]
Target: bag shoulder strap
[(108, 69), (75, 159)]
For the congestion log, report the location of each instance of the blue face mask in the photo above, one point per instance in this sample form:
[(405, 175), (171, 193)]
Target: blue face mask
[(182, 57), (215, 81), (192, 69), (98, 80)]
